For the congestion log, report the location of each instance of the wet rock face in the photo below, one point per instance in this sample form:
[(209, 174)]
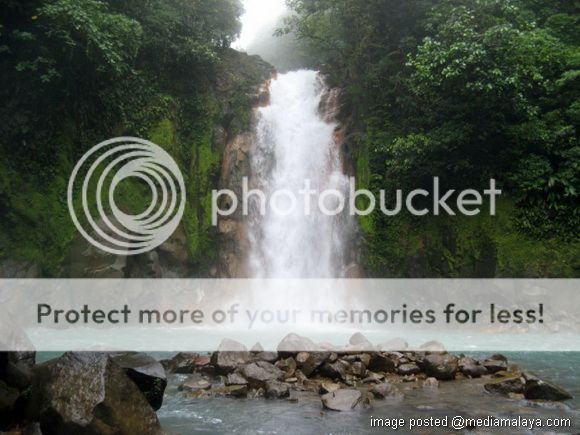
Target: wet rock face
[(236, 379), (441, 366), (342, 400), (538, 389), (148, 374), (16, 376), (89, 393), (408, 369), (335, 370), (259, 373), (495, 363), (513, 385), (8, 398), (471, 368), (382, 363), (308, 362)]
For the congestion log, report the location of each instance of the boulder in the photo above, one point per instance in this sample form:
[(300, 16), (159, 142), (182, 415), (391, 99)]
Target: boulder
[(8, 397), (236, 378), (408, 369), (229, 356), (472, 368), (537, 389), (381, 363), (259, 373), (148, 374), (373, 377), (506, 386), (495, 363), (335, 370), (287, 365), (440, 366), (15, 367), (277, 390), (383, 390), (270, 357), (357, 369), (328, 387), (308, 362), (341, 400), (294, 343), (17, 374), (88, 393)]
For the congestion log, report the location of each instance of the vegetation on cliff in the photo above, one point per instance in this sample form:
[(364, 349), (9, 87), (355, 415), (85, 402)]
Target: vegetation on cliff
[(465, 90), (77, 72)]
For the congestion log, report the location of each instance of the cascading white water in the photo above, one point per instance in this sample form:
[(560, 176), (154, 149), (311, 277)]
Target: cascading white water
[(294, 144)]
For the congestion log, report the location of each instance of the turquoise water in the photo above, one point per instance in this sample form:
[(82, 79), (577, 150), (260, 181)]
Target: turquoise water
[(184, 415)]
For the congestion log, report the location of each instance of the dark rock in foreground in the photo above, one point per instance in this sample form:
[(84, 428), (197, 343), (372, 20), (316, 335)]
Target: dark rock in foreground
[(146, 373), (88, 393), (537, 389), (511, 385)]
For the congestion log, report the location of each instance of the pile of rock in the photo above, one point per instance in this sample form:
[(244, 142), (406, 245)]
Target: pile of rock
[(81, 393), (344, 378)]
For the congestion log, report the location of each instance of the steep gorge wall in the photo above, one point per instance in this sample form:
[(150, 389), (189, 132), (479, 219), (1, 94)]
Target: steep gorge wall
[(195, 130), (479, 246)]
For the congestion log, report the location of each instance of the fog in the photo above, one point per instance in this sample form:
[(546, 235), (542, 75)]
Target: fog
[(260, 21)]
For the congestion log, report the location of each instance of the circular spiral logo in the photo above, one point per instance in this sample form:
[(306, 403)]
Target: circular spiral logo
[(103, 168)]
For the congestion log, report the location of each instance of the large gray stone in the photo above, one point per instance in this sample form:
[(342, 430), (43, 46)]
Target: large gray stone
[(342, 400), (88, 393), (259, 373), (308, 362), (441, 366), (229, 356), (537, 389), (506, 386), (148, 374)]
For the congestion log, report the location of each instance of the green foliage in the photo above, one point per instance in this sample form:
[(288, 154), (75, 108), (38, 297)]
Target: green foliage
[(77, 72), (465, 90)]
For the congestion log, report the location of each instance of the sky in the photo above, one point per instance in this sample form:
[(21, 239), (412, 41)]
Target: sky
[(259, 13)]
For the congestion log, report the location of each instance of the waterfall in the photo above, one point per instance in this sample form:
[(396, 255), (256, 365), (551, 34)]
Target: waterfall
[(295, 142)]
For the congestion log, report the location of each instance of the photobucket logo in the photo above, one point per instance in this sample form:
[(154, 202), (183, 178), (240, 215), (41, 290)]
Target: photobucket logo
[(332, 202), (98, 174)]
